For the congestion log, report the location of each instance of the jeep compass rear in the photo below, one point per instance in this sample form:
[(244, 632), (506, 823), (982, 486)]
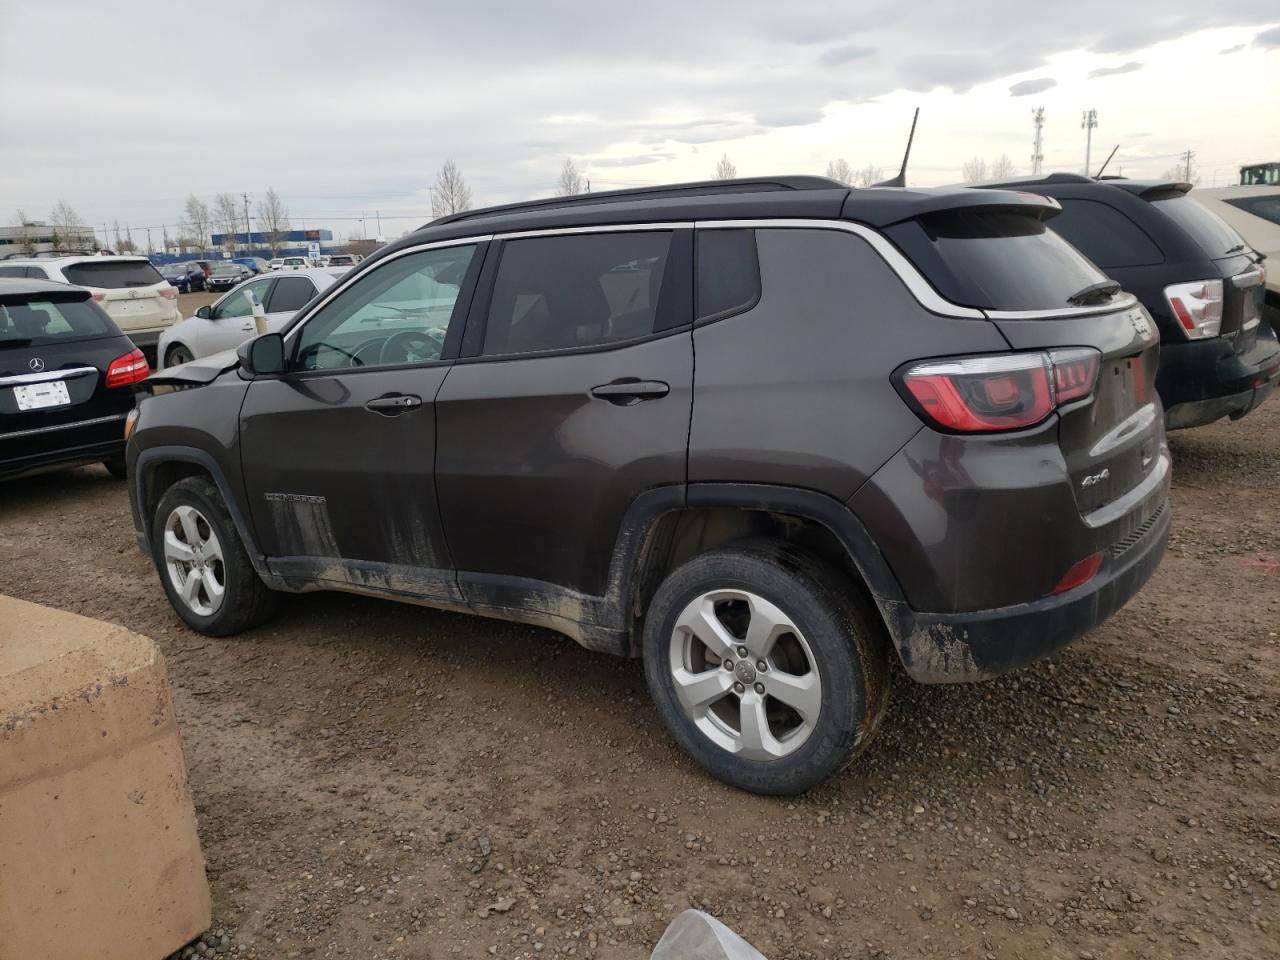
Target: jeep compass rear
[(763, 434)]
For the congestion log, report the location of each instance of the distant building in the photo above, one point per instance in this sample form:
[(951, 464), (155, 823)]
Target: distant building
[(293, 238), (37, 236)]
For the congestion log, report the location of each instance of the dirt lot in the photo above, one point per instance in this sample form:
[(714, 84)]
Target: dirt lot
[(189, 303), (376, 780)]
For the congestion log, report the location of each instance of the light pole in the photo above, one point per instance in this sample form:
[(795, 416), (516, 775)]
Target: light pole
[(1089, 121)]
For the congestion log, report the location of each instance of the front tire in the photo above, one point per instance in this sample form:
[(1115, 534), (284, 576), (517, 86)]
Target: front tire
[(766, 666), (203, 566)]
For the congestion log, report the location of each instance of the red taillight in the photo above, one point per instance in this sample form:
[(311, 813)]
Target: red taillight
[(98, 298), (128, 369), (169, 292), (1080, 573), (1002, 392), (1198, 307)]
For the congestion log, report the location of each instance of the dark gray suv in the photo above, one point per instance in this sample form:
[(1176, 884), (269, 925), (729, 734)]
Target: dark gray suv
[(731, 428)]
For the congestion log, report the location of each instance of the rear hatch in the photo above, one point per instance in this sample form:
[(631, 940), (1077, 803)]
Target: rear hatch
[(1235, 264), (55, 351), (132, 292), (1043, 295)]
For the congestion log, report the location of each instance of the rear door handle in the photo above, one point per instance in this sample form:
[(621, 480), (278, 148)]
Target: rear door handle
[(624, 393), (393, 404)]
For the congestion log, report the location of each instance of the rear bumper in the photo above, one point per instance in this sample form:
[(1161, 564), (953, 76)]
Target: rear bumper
[(1206, 380), (965, 647), (65, 457)]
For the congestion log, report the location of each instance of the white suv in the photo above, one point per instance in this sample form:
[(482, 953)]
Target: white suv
[(141, 302)]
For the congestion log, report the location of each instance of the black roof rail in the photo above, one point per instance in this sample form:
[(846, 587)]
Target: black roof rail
[(666, 191)]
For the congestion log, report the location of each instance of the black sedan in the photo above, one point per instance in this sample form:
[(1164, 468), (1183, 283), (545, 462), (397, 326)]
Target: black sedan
[(185, 276), (67, 379), (227, 275)]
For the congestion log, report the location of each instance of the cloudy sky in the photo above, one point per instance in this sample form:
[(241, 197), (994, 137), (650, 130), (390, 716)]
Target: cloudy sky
[(124, 108)]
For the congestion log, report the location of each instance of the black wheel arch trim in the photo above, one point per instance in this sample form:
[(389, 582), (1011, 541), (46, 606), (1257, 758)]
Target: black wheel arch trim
[(144, 470)]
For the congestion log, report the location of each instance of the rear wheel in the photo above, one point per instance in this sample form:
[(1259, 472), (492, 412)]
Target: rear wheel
[(766, 666), (203, 566), (176, 355)]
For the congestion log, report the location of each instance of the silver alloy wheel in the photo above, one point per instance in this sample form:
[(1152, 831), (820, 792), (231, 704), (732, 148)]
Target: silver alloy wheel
[(193, 557), (745, 675), (177, 356)]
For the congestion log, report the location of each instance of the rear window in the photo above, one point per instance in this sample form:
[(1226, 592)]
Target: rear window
[(995, 260), (39, 321), (1105, 235), (112, 274), (1207, 229), (1268, 208)]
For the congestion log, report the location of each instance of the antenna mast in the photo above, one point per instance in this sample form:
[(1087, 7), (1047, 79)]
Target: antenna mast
[(901, 179), (1037, 150)]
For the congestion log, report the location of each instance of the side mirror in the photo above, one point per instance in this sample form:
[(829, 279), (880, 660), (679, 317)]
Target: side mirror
[(262, 355), (205, 312)]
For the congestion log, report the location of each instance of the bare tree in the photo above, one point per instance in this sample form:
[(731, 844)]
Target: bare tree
[(273, 219), (200, 219), (450, 194), (66, 223), (725, 170), (115, 234), (840, 170), (25, 239), (1183, 172), (1002, 168), (868, 175), (974, 171), (226, 217), (126, 244), (571, 180)]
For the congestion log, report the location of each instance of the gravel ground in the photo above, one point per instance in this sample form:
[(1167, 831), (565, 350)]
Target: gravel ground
[(376, 780)]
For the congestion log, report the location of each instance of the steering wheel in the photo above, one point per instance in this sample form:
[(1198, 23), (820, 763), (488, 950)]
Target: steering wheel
[(411, 346), (311, 352)]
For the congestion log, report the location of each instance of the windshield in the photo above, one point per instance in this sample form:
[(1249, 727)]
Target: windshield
[(1208, 230), (228, 270), (42, 321), (996, 260), (112, 274)]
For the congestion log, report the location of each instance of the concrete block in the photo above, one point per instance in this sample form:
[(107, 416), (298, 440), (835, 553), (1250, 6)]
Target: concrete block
[(695, 935), (98, 849)]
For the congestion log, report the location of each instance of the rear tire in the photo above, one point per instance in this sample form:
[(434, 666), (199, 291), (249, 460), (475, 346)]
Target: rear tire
[(203, 566), (176, 355), (818, 699)]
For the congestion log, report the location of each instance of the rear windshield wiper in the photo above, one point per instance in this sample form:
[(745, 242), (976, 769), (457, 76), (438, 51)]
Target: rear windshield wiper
[(1236, 249), (1094, 293)]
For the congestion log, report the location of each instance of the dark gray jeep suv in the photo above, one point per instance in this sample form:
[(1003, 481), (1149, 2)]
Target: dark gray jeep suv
[(731, 428)]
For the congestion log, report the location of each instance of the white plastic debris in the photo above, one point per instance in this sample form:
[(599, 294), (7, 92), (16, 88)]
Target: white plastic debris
[(695, 935)]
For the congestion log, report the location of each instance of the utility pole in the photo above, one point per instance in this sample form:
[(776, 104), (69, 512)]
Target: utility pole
[(363, 232), (1186, 168), (1089, 121), (379, 215), (248, 233), (150, 249), (1037, 150)]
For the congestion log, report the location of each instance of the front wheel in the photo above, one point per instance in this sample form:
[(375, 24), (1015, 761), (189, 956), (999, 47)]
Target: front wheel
[(765, 666), (203, 565)]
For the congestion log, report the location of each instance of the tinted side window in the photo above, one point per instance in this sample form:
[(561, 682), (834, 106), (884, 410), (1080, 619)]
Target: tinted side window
[(13, 271), (237, 304), (728, 272), (557, 293), (1104, 234), (399, 313), (290, 293), (1205, 227)]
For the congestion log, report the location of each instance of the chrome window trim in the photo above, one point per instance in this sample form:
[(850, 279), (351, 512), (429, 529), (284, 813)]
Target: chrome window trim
[(914, 281), (64, 426), (47, 375), (1125, 302), (347, 281), (919, 287)]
